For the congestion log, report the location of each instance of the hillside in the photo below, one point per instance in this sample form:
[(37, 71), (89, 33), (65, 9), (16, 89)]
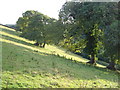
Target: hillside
[(27, 66)]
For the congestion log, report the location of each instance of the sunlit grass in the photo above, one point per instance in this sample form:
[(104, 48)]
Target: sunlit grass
[(7, 28), (29, 66), (16, 37)]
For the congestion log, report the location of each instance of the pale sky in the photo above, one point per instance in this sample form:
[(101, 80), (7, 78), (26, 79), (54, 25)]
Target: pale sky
[(11, 10)]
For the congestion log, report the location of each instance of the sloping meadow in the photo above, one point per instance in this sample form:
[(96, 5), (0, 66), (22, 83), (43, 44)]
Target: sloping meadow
[(27, 66)]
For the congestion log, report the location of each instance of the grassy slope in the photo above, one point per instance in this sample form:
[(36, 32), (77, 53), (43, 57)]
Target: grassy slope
[(25, 65)]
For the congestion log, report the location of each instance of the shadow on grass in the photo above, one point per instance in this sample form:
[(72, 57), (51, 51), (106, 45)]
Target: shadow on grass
[(16, 40), (13, 32)]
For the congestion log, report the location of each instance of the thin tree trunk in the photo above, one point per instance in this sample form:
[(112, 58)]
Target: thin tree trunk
[(41, 45), (92, 60), (44, 44), (111, 65)]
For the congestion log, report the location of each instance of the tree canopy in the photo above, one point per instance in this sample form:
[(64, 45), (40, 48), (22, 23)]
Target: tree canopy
[(40, 28), (94, 21)]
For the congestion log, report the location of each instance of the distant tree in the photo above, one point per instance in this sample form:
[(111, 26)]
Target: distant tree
[(11, 26), (40, 28), (32, 25)]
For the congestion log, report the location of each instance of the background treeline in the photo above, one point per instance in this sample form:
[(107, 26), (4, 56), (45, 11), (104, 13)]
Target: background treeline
[(9, 25), (87, 29)]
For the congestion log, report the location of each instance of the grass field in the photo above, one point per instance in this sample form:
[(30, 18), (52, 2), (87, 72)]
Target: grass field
[(27, 66)]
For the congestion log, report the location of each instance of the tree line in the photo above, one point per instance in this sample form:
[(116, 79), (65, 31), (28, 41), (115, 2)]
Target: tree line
[(83, 27)]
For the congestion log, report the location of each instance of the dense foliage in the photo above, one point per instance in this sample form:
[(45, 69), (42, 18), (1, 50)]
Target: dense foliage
[(98, 23), (39, 27)]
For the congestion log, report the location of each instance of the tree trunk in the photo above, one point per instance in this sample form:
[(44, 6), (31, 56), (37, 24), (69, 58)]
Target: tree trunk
[(92, 60), (111, 65), (44, 44), (41, 45)]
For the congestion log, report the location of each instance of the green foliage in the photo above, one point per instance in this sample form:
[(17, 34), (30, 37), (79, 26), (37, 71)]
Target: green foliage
[(72, 44), (111, 32), (32, 26), (54, 31), (112, 41), (93, 40), (92, 21), (20, 24), (40, 28), (86, 24)]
